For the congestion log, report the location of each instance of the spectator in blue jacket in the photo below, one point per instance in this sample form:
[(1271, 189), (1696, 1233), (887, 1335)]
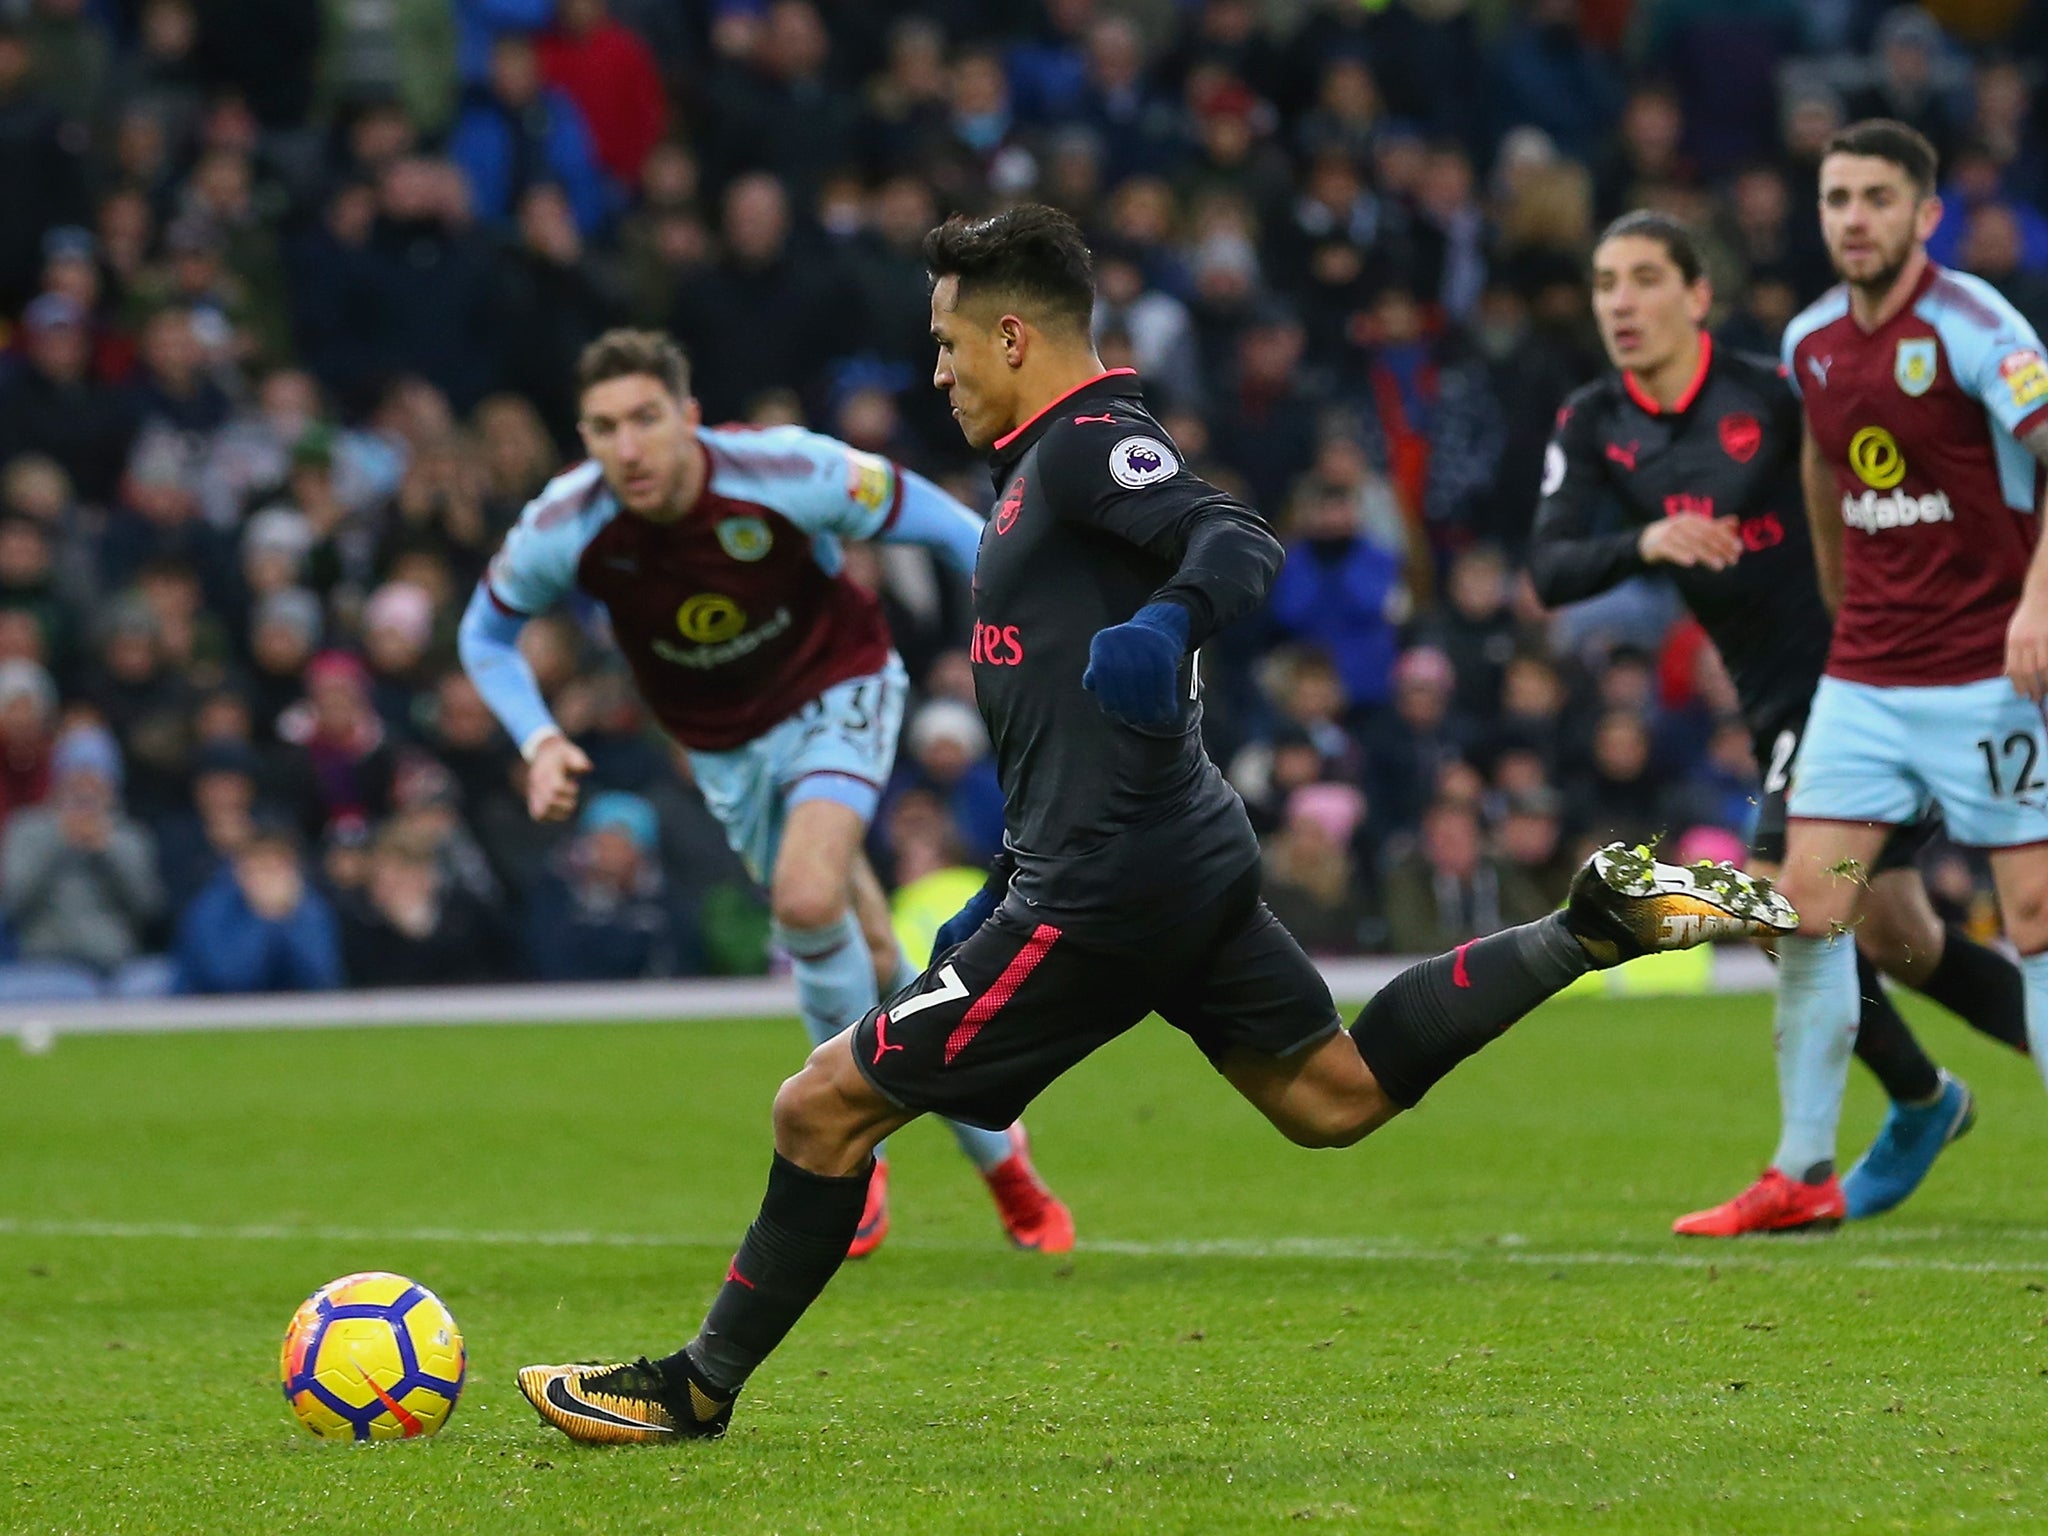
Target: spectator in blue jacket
[(1342, 593), (259, 927), (517, 130), (604, 913)]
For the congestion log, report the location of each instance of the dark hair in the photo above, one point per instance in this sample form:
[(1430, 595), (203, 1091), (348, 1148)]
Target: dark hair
[(1677, 240), (622, 353), (1031, 254), (1883, 139)]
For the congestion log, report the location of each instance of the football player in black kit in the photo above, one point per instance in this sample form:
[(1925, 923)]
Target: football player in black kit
[(1698, 450), (1129, 881)]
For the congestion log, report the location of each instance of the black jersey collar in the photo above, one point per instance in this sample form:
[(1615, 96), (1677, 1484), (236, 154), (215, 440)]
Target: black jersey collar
[(1683, 403), (1016, 442)]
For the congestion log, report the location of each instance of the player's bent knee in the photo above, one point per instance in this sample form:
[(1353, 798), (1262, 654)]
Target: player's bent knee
[(807, 904)]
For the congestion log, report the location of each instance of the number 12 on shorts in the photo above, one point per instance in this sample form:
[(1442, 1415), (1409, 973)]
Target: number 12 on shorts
[(2009, 765)]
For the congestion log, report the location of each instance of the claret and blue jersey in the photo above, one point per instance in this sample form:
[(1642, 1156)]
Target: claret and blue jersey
[(1920, 421), (740, 613)]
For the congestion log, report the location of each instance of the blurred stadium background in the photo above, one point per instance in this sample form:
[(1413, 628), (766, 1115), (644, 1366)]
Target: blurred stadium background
[(293, 290)]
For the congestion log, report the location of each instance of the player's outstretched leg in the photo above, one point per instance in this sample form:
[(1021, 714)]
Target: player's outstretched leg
[(1623, 904), (827, 1120)]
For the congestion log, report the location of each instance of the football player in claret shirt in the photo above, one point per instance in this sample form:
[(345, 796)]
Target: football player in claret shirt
[(1698, 448), (1926, 415), (716, 555), (1130, 875)]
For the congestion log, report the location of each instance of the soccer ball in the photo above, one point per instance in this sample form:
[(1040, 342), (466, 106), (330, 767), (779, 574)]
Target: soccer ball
[(373, 1356)]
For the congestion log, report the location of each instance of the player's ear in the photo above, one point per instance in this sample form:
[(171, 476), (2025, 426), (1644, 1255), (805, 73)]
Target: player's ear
[(1927, 217), (1016, 339), (1699, 300), (693, 413)]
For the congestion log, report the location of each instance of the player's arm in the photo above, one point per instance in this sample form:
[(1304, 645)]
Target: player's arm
[(532, 572), (927, 515), (1222, 555), (2002, 367), (859, 495), (1823, 518), (2026, 638), (1572, 558)]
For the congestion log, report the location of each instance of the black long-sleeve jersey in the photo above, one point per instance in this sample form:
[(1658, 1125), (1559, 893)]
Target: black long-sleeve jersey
[(1114, 830), (1728, 448)]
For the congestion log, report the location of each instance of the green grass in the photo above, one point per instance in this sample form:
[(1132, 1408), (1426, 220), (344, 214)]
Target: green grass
[(1472, 1323)]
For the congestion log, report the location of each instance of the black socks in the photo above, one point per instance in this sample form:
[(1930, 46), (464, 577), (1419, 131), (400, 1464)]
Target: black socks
[(1981, 987), (1886, 1046), (1433, 1015), (792, 1250)]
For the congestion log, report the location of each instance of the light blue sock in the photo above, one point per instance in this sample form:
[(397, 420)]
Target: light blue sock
[(2034, 975), (1816, 1034), (835, 975), (984, 1149), (835, 979)]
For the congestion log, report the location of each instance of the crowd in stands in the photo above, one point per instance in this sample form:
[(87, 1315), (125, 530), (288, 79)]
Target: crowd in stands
[(293, 290)]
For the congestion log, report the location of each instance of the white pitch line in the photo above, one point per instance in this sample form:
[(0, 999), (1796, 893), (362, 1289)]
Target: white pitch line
[(1762, 1253)]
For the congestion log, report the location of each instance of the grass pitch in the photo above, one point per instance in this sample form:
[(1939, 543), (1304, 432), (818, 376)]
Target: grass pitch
[(1474, 1322)]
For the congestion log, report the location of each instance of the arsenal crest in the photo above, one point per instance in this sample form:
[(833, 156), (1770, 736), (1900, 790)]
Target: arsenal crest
[(1915, 366), (745, 538), (1741, 436)]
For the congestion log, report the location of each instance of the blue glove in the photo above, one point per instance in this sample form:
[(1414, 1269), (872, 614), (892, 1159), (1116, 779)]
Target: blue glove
[(981, 906), (1134, 668)]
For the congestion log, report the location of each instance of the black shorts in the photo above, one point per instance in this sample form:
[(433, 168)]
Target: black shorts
[(1775, 751), (995, 1019)]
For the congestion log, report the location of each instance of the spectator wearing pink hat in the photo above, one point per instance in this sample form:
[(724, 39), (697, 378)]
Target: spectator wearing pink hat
[(344, 741), (1310, 877)]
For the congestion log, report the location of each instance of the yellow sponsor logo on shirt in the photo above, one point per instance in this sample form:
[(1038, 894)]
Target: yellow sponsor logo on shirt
[(869, 480), (710, 618), (1874, 455), (2026, 376)]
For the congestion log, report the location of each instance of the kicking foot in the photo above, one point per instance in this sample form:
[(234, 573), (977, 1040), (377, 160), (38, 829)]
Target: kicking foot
[(1907, 1145), (625, 1404), (1624, 903), (1032, 1214), (874, 1216), (1773, 1203)]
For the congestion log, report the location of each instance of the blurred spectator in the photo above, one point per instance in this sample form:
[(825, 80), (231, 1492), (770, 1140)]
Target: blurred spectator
[(1620, 794), (761, 318), (552, 301), (405, 928), (1530, 844), (518, 131), (195, 843), (78, 881), (259, 926), (429, 281), (604, 67), (775, 106), (603, 914), (1450, 889), (1407, 747), (401, 52), (336, 725), (42, 180), (28, 712), (51, 405), (949, 758), (1914, 83), (1993, 248), (1548, 75), (1309, 881), (1341, 592), (1477, 631)]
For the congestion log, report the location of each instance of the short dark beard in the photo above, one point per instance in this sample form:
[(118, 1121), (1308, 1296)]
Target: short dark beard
[(1876, 289)]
